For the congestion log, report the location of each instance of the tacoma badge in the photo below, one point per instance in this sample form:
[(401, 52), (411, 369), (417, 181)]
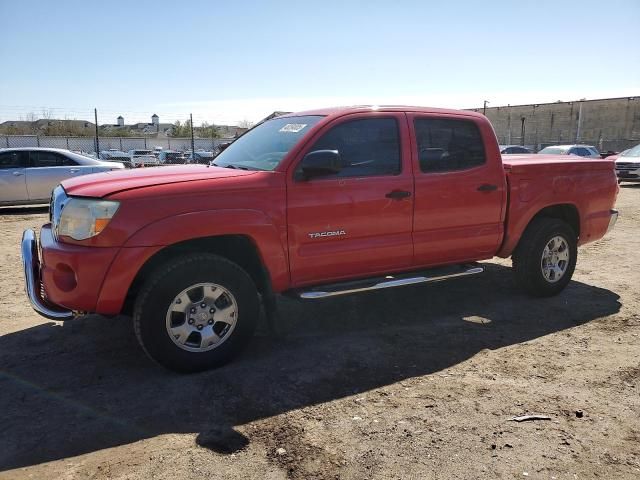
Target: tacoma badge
[(335, 233)]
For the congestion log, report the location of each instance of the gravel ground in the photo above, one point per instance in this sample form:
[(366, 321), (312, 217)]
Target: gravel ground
[(420, 382)]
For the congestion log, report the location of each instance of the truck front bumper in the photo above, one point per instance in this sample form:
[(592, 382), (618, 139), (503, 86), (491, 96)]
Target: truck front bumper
[(64, 280), (61, 278), (33, 283)]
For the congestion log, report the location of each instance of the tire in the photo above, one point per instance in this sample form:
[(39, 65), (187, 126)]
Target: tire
[(184, 333), (528, 261)]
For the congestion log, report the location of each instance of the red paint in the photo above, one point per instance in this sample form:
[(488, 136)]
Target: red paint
[(444, 220)]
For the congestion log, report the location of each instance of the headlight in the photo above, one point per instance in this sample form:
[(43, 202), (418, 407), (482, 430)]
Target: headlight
[(83, 218)]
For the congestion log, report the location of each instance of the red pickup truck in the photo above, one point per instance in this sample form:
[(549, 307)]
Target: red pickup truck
[(312, 204)]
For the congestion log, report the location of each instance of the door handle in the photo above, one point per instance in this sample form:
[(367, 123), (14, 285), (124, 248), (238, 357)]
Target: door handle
[(398, 194), (487, 187), (74, 170), (17, 174)]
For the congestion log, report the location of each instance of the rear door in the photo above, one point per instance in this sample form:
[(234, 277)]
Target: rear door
[(356, 223), (48, 169), (460, 190), (13, 186)]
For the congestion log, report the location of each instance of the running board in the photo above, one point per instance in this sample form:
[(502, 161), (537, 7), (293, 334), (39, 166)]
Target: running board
[(390, 281)]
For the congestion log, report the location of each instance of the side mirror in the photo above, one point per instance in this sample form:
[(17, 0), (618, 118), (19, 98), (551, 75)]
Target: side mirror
[(320, 163)]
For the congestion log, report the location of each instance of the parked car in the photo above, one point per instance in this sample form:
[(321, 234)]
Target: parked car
[(202, 157), (114, 155), (587, 151), (171, 157), (628, 165), (28, 175), (512, 149), (142, 158), (315, 204)]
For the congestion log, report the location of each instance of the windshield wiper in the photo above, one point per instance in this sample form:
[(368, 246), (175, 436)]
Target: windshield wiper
[(237, 167), (223, 166)]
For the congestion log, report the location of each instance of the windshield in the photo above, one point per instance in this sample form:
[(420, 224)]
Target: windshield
[(632, 152), (263, 147), (553, 151)]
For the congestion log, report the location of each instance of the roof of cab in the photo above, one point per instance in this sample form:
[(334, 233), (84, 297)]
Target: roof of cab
[(339, 111)]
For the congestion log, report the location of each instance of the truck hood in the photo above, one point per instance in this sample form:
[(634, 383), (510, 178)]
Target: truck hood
[(103, 184)]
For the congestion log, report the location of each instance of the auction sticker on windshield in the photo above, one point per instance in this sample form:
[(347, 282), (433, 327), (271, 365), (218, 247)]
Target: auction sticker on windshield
[(293, 127)]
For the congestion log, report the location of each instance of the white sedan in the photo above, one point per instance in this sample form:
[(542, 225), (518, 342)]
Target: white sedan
[(29, 175)]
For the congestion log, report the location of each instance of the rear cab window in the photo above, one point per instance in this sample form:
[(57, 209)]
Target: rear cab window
[(448, 145)]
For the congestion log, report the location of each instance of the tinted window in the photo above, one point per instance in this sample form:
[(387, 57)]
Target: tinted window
[(583, 152), (448, 145), (13, 160), (50, 159), (367, 147)]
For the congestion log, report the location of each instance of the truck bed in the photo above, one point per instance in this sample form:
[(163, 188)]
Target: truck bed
[(555, 163), (584, 185)]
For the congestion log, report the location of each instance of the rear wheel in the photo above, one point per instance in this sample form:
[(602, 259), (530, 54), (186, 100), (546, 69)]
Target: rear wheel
[(545, 259), (196, 312)]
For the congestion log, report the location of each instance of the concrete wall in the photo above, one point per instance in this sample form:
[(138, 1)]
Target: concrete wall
[(608, 124)]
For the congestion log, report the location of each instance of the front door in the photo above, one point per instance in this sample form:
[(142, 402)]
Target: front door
[(460, 190), (13, 186), (358, 222)]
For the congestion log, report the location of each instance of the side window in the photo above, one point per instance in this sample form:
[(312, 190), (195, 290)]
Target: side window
[(583, 152), (446, 145), (367, 147), (48, 159), (66, 161), (13, 160)]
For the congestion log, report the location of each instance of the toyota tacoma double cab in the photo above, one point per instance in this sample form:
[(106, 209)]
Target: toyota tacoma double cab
[(313, 204)]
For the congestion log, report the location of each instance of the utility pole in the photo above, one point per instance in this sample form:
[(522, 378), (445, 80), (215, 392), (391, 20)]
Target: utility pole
[(522, 131), (509, 124), (193, 143), (95, 116), (579, 124), (484, 109)]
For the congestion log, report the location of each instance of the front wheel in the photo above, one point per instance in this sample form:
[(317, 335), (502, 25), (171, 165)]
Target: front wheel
[(545, 259), (196, 312)]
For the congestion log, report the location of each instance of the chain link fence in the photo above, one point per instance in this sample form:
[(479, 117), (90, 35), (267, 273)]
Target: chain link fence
[(168, 150), (123, 144)]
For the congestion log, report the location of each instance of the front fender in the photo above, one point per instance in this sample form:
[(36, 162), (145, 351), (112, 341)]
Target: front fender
[(254, 224)]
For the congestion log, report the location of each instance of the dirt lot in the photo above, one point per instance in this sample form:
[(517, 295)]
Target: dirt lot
[(418, 383)]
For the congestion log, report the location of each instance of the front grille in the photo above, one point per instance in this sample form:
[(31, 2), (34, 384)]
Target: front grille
[(626, 166)]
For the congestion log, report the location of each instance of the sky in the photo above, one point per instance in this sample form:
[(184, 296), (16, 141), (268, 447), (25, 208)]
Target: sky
[(226, 62)]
